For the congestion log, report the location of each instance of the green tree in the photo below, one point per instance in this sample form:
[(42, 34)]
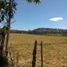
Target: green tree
[(7, 10)]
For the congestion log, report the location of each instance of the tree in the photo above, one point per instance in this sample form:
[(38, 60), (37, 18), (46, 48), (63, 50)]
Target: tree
[(7, 11)]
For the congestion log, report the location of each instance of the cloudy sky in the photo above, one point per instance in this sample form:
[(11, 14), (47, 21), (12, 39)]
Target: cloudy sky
[(47, 14)]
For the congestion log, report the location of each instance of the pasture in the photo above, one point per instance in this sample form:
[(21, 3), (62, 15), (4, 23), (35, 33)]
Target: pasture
[(54, 49)]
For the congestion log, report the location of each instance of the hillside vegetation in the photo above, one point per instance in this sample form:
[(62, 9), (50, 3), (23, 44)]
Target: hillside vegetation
[(44, 31), (54, 49)]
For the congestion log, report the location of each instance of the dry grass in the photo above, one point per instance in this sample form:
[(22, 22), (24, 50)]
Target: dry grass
[(54, 49)]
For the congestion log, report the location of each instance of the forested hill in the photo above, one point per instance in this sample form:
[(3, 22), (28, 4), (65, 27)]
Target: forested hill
[(43, 31)]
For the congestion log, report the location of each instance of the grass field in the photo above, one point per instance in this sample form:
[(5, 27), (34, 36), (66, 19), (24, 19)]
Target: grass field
[(54, 49)]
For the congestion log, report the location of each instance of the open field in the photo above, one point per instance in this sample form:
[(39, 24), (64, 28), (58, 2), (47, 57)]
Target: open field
[(54, 49)]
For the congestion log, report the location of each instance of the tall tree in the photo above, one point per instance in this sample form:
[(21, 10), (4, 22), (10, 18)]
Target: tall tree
[(7, 11)]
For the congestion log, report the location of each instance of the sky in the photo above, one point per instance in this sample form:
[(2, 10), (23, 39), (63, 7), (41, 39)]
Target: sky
[(47, 14)]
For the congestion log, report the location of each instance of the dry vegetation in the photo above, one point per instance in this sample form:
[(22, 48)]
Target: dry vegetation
[(54, 49)]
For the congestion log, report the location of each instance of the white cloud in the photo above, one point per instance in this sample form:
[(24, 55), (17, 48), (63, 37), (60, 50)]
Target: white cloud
[(56, 19)]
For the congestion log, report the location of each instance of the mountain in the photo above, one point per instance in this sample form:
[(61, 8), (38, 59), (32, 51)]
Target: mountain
[(43, 31)]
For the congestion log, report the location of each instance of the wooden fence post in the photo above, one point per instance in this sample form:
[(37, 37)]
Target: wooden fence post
[(34, 54), (41, 53), (17, 59)]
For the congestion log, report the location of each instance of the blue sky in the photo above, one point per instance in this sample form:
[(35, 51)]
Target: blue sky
[(47, 14)]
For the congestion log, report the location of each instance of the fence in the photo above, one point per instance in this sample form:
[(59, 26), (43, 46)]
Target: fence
[(34, 54), (15, 60)]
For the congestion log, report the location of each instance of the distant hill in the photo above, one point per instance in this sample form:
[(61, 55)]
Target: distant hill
[(43, 31)]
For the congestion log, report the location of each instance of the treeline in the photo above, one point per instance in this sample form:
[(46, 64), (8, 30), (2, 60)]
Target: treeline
[(43, 31)]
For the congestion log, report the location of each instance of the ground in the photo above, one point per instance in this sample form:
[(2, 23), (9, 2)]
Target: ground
[(54, 50)]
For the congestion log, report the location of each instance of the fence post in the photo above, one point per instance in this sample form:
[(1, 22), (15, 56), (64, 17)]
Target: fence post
[(41, 53), (34, 54), (17, 59)]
